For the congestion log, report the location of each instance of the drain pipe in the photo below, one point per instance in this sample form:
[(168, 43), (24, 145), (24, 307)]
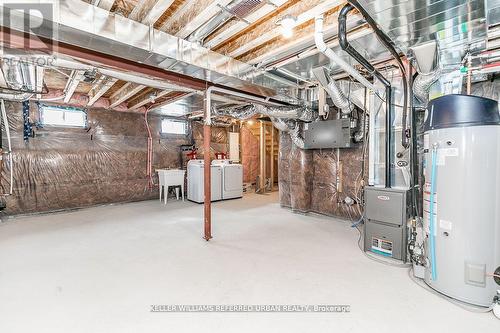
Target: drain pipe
[(334, 58), (344, 44)]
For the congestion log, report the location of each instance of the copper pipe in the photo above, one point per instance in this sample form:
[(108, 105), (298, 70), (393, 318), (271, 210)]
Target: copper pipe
[(207, 182)]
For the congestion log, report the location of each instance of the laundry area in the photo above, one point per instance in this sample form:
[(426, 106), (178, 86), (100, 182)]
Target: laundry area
[(248, 165)]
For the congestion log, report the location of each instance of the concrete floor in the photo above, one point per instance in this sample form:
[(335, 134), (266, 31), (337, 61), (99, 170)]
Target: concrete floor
[(100, 269)]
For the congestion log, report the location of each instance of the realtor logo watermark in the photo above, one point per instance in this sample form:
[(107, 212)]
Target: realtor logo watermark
[(28, 26), (324, 308)]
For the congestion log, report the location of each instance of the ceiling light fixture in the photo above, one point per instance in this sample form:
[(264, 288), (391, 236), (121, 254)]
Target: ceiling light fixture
[(287, 23)]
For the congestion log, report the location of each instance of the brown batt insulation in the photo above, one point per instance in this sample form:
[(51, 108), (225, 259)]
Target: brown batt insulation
[(307, 179), (69, 168)]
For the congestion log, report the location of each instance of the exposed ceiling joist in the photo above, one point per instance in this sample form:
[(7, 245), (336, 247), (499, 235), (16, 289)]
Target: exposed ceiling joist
[(352, 36), (40, 72), (283, 50), (100, 88), (124, 93), (73, 81), (179, 13), (202, 17), (147, 99), (156, 11), (104, 4), (302, 18), (241, 25)]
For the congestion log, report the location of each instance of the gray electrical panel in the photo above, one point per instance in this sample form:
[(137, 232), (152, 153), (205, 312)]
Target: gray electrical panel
[(387, 212), (328, 134)]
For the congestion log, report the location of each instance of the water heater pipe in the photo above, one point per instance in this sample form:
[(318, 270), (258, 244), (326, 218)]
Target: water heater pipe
[(432, 226)]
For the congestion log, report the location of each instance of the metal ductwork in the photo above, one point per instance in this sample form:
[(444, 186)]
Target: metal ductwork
[(236, 8), (422, 84), (288, 119), (333, 90), (426, 57), (81, 25), (19, 75), (302, 113)]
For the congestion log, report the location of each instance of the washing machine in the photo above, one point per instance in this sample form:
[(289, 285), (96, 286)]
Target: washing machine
[(232, 179), (195, 177)]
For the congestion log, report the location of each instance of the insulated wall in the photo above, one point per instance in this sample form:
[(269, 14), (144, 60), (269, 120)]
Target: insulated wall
[(313, 181), (250, 155), (62, 168), (219, 141)]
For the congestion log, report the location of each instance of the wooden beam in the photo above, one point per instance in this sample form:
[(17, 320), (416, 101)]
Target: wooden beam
[(302, 18), (124, 93), (104, 4), (202, 17), (156, 11), (188, 5), (280, 48), (99, 88), (147, 100), (73, 81)]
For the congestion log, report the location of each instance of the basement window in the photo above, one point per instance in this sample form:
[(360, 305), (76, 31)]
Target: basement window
[(170, 126), (64, 117)]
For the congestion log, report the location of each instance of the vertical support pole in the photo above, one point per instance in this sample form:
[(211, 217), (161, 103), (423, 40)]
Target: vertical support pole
[(207, 205), (272, 157), (262, 149)]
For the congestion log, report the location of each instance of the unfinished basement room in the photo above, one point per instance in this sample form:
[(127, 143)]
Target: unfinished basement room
[(249, 166)]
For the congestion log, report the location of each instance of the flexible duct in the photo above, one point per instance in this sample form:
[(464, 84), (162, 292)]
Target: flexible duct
[(422, 84), (296, 135), (333, 90), (338, 97), (284, 118), (284, 125), (303, 113), (334, 58)]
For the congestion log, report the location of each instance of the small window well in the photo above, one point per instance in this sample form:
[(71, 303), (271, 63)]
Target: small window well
[(169, 126), (65, 117)]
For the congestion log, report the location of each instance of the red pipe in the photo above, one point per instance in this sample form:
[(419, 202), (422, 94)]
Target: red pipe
[(149, 173), (207, 182)]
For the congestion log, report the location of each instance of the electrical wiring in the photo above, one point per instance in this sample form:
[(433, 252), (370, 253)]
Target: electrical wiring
[(463, 305)]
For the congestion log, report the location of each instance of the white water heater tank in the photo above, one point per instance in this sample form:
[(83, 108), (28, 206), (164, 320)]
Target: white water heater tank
[(462, 194)]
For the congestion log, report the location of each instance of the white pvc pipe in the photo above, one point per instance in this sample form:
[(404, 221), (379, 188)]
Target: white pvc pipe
[(334, 58)]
